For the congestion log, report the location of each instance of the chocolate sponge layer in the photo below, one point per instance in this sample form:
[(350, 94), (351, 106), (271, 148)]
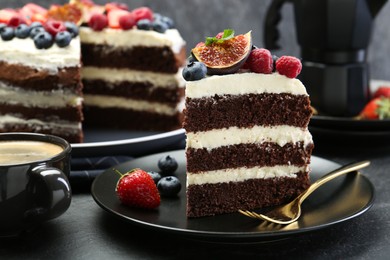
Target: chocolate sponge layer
[(247, 155), (212, 199), (267, 109)]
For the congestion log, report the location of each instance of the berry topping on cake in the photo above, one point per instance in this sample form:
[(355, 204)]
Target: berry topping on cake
[(194, 71), (63, 39), (16, 20), (54, 27), (22, 31), (143, 13), (144, 24), (288, 66), (7, 33), (260, 61), (36, 30), (114, 16), (136, 188), (127, 21), (169, 186), (98, 22), (43, 40), (224, 55), (115, 5), (72, 28)]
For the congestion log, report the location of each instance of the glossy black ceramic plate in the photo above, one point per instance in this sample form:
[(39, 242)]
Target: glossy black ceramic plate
[(341, 124), (339, 200), (100, 142)]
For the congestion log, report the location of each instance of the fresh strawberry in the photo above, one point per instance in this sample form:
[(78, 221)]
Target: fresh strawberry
[(143, 13), (377, 108), (114, 16), (136, 188), (288, 66), (382, 91), (127, 21), (39, 18), (54, 27), (98, 22), (6, 15)]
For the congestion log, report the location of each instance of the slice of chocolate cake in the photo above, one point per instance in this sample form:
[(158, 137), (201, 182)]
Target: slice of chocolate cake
[(40, 82), (248, 145)]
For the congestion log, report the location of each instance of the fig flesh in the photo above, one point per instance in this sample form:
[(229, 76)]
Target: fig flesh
[(224, 57)]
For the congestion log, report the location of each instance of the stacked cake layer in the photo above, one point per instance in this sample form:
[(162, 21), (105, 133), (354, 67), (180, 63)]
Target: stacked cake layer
[(248, 145), (133, 78), (41, 89)]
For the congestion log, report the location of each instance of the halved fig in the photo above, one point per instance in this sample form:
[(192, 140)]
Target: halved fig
[(226, 56)]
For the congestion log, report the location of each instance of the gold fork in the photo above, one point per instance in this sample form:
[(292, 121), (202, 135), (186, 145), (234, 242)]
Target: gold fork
[(289, 213)]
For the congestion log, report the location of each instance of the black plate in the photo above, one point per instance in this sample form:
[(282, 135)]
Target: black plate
[(345, 123), (339, 200), (102, 142)]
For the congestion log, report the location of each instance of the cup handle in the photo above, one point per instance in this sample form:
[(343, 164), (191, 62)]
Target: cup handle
[(52, 193)]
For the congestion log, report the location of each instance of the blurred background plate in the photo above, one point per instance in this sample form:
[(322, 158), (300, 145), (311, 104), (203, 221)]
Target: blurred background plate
[(102, 142)]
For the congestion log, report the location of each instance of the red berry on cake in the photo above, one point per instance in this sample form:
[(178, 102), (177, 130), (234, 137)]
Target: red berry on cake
[(289, 66), (6, 15), (16, 20), (98, 22), (143, 13), (127, 21), (260, 61), (114, 16), (54, 27), (136, 188)]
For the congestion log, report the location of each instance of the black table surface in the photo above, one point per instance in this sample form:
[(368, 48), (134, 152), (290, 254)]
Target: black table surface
[(86, 231)]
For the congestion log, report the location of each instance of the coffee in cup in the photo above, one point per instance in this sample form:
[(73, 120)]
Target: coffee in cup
[(34, 185)]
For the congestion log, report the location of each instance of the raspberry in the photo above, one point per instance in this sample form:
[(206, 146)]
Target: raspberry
[(98, 22), (16, 20), (127, 21), (143, 13), (54, 27), (289, 66), (260, 61)]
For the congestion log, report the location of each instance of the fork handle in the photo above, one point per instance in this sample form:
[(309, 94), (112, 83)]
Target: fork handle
[(333, 174)]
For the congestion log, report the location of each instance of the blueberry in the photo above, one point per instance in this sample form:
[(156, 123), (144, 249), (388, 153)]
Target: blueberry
[(169, 186), (168, 21), (191, 59), (144, 24), (2, 25), (35, 24), (167, 165), (36, 30), (43, 40), (194, 71), (7, 33), (72, 28), (155, 176), (22, 31), (159, 26), (63, 39)]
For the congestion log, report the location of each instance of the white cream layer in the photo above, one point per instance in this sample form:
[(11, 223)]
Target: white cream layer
[(72, 126), (243, 174), (258, 134), (244, 83), (162, 80), (130, 38), (126, 103), (53, 98), (23, 51)]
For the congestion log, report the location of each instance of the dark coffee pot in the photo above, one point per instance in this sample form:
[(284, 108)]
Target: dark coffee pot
[(333, 36)]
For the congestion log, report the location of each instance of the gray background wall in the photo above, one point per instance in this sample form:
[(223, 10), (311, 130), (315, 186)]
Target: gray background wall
[(199, 18)]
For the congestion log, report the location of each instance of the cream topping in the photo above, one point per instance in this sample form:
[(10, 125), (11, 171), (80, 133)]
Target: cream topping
[(126, 103), (162, 80), (23, 51), (134, 37), (243, 174), (258, 134), (8, 119), (53, 98), (244, 83)]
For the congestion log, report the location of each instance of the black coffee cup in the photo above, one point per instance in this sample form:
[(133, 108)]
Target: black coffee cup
[(34, 186)]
